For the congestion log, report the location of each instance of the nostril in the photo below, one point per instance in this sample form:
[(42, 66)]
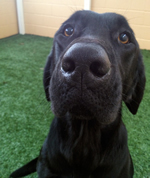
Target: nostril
[(68, 65), (99, 68)]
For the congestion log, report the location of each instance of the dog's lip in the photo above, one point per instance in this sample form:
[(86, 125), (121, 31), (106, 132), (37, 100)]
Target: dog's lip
[(81, 112)]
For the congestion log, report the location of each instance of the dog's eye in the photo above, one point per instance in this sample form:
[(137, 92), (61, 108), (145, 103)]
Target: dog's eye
[(123, 38), (68, 31)]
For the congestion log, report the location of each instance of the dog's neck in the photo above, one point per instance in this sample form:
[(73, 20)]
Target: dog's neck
[(88, 140), (82, 129)]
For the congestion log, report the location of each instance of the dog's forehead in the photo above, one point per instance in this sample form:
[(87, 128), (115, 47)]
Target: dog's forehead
[(106, 20)]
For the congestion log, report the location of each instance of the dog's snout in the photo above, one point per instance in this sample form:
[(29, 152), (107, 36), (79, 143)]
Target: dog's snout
[(86, 57), (99, 68), (68, 65)]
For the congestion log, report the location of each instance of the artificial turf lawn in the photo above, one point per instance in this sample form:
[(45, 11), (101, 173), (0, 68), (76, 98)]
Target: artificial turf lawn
[(25, 114)]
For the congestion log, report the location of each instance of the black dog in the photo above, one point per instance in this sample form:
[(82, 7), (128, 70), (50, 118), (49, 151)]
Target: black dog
[(94, 65)]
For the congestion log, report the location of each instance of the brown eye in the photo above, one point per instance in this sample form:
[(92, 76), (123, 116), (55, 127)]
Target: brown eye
[(68, 31), (123, 38)]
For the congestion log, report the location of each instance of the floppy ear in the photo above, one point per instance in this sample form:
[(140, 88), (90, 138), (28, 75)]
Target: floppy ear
[(48, 70), (49, 67), (47, 75), (135, 94)]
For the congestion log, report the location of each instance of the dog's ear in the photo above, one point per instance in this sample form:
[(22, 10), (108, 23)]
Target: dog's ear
[(50, 66), (47, 75), (48, 70), (135, 94)]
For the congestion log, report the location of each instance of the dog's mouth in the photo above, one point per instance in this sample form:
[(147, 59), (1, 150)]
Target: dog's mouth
[(81, 112)]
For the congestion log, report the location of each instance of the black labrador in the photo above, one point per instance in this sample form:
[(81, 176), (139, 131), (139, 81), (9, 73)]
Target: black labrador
[(94, 65)]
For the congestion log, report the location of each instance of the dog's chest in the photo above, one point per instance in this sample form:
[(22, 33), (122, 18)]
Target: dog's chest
[(84, 149), (80, 148)]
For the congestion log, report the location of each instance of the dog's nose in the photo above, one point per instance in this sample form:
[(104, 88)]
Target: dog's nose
[(83, 57)]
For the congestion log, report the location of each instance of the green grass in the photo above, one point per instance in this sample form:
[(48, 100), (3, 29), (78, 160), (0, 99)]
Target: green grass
[(25, 114)]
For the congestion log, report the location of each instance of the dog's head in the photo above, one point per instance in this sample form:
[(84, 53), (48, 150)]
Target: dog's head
[(94, 65)]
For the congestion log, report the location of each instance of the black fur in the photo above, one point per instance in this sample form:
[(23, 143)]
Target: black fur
[(89, 72)]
